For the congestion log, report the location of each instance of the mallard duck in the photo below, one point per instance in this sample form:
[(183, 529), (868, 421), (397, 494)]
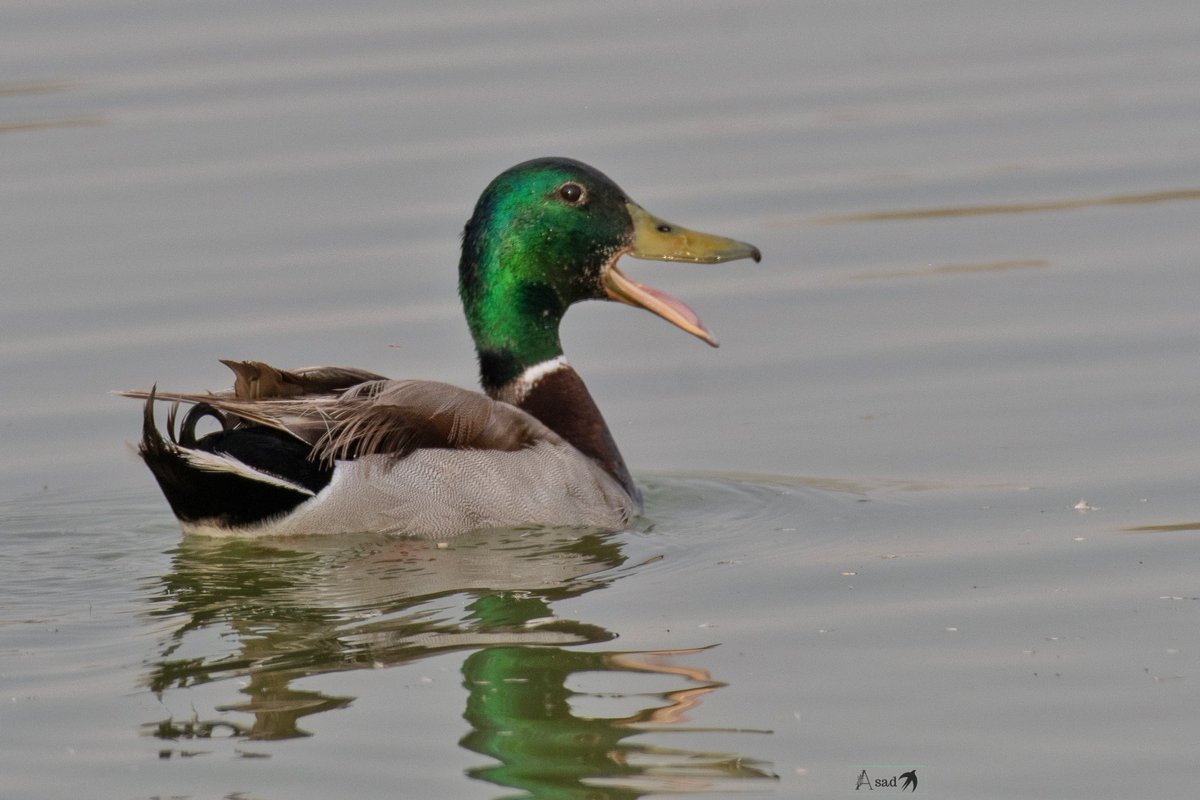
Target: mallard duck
[(338, 450)]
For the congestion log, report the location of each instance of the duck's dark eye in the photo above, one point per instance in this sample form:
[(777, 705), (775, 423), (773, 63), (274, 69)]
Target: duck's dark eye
[(664, 228), (572, 193)]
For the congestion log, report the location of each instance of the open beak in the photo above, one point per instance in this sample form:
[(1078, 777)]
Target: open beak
[(659, 240)]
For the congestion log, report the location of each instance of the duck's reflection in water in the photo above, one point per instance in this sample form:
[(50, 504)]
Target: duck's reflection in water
[(271, 613)]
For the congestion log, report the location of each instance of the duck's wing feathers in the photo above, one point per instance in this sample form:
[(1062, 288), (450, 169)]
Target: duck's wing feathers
[(255, 380), (397, 417), (373, 417)]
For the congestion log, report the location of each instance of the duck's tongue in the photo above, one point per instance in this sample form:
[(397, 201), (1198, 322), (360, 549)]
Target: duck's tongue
[(669, 308)]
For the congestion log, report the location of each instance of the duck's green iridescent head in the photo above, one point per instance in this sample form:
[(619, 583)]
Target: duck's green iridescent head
[(547, 233)]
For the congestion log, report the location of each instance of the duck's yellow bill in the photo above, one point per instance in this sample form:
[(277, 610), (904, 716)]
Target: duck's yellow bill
[(659, 240)]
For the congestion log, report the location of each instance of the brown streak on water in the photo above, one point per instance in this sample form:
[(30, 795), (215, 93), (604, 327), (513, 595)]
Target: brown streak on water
[(1166, 196)]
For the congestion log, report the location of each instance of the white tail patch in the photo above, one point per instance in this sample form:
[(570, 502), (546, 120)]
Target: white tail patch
[(215, 462)]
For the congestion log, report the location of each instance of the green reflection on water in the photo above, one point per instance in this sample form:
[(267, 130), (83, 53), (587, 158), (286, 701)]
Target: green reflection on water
[(521, 713), (271, 613)]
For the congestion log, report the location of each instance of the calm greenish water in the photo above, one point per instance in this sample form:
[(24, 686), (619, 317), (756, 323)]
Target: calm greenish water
[(931, 507)]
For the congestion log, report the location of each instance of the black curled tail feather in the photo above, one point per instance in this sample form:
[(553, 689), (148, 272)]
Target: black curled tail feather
[(229, 479), (187, 431)]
